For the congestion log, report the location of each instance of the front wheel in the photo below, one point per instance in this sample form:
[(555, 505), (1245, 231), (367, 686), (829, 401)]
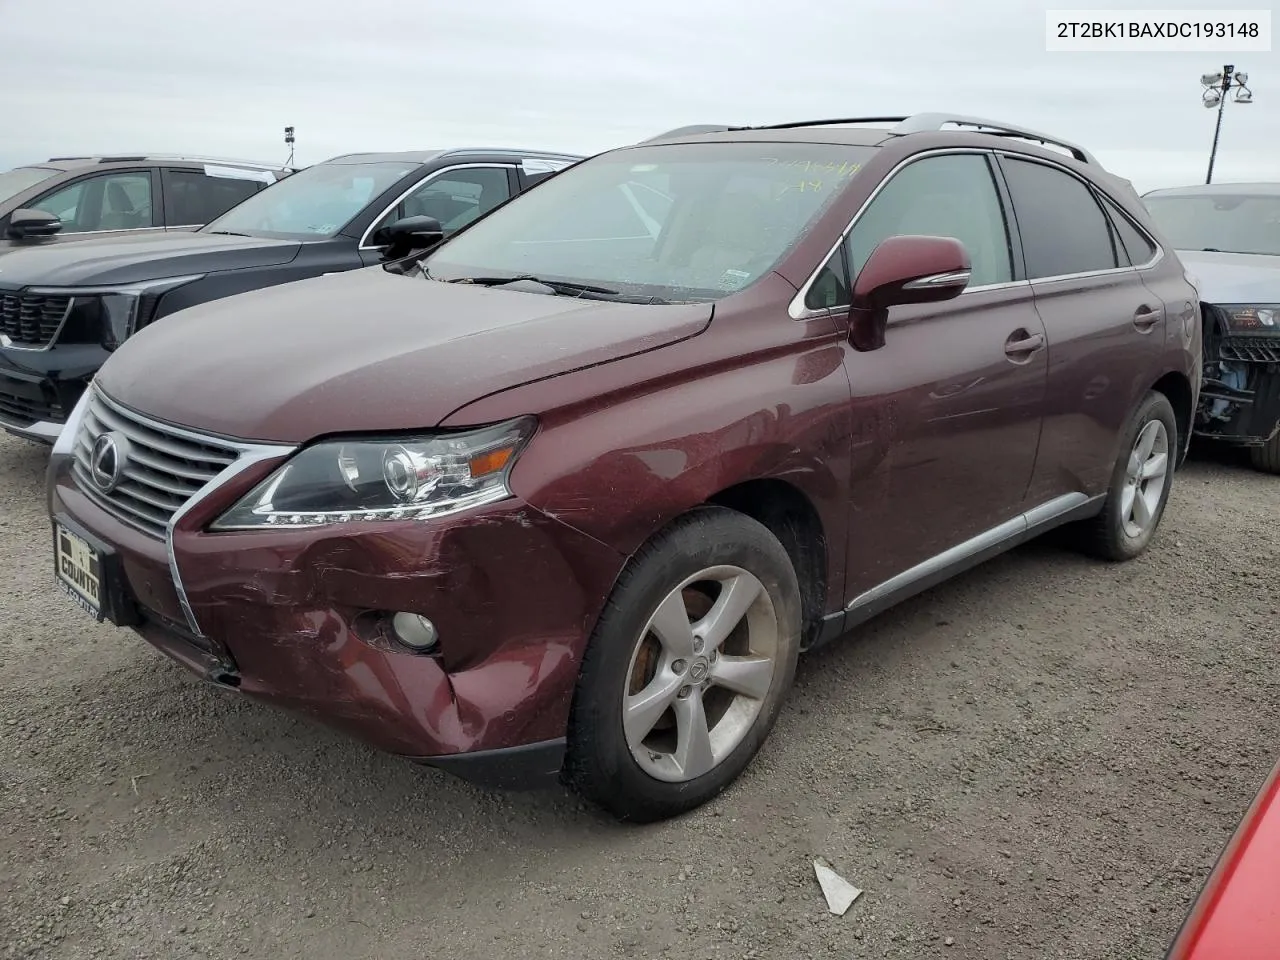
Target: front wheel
[(1140, 483), (1267, 457), (685, 673)]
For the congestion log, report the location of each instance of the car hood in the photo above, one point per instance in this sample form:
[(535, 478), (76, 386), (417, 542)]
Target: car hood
[(140, 257), (1233, 277), (370, 351)]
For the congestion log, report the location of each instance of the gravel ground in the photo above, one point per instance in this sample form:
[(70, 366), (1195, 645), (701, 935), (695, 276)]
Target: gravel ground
[(1041, 759)]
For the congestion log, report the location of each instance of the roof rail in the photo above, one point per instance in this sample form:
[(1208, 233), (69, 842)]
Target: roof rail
[(188, 158), (795, 124), (694, 130), (928, 122)]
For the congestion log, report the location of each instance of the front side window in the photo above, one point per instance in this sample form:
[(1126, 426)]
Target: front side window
[(192, 198), (454, 197), (20, 179), (1063, 229), (1233, 222), (312, 204), (671, 222), (112, 201), (943, 196)]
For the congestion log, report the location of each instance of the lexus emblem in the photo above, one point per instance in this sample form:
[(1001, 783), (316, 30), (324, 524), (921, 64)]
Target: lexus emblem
[(107, 459)]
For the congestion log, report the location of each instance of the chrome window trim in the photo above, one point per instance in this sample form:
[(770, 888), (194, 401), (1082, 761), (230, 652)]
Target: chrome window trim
[(489, 165), (797, 310), (8, 344), (251, 454)]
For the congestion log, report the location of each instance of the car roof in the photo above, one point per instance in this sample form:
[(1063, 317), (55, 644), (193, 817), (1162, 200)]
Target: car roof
[(67, 164), (427, 156), (1209, 189)]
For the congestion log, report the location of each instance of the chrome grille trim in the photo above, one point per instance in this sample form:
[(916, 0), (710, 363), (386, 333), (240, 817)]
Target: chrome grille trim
[(178, 469), (32, 321), (167, 466)]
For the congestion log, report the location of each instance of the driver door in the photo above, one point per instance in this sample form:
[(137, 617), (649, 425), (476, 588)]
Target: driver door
[(947, 414)]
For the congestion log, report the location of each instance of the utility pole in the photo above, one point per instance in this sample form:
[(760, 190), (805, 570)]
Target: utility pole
[(288, 140), (1216, 87)]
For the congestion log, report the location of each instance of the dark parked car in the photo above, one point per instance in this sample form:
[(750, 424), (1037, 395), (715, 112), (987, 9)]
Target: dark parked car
[(84, 198), (1228, 235), (570, 494), (63, 310)]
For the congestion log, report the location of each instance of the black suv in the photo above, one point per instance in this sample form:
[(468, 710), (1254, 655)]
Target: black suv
[(64, 309), (83, 198)]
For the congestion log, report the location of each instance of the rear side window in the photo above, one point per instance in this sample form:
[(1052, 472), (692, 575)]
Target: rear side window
[(1063, 229), (192, 199), (1140, 250)]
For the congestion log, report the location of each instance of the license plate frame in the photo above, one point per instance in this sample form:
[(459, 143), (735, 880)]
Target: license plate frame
[(89, 559)]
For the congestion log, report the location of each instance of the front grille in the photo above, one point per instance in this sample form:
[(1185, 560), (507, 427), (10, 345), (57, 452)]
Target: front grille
[(32, 320), (163, 467), (25, 411), (1250, 349)]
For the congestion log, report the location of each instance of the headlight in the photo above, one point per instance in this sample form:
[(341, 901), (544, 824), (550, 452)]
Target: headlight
[(1252, 319), (341, 481), (125, 308)]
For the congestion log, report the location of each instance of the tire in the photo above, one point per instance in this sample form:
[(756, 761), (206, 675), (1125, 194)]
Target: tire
[(1128, 519), (1267, 457), (639, 654)]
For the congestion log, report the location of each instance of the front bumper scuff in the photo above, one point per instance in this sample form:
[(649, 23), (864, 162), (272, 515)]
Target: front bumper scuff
[(513, 592)]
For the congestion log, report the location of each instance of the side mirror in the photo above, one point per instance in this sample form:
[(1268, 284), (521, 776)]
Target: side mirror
[(408, 235), (903, 270), (28, 224)]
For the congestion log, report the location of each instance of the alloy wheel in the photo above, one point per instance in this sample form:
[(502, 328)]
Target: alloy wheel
[(1146, 475), (699, 673)]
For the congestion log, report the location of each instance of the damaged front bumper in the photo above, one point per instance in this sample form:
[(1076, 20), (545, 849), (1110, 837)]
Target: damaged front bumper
[(1240, 391), (301, 618)]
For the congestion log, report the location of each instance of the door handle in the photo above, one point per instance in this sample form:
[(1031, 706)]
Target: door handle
[(1145, 318), (1024, 345)]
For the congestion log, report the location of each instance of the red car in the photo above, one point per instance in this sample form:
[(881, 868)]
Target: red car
[(569, 495), (1237, 916)]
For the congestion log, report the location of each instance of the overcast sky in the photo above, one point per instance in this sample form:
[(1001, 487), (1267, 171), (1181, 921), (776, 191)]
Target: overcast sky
[(224, 78)]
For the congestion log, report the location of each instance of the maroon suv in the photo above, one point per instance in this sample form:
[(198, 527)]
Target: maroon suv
[(569, 496)]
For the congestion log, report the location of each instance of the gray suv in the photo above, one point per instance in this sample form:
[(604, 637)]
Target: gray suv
[(81, 198), (1228, 237)]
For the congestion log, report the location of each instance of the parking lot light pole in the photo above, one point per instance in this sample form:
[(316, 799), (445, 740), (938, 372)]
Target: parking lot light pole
[(1216, 87)]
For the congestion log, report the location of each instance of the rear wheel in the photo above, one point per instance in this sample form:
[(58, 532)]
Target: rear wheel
[(1140, 483), (686, 671), (1267, 457)]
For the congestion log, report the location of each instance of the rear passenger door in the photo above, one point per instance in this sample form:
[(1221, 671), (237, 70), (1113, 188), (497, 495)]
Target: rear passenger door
[(1105, 327), (455, 196), (947, 413), (195, 197)]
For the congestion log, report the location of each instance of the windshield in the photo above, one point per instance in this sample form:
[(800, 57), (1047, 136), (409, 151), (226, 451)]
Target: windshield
[(14, 182), (1229, 222), (312, 204), (667, 222)]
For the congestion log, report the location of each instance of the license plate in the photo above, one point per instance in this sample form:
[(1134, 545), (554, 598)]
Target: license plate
[(78, 569)]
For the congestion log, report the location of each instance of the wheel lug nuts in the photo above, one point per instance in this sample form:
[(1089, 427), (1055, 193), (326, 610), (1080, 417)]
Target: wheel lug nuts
[(697, 645), (679, 666), (684, 692)]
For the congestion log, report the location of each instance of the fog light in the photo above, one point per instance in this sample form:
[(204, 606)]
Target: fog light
[(415, 630)]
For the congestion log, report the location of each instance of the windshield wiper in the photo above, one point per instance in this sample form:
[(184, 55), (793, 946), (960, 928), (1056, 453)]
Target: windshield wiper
[(559, 286), (228, 233)]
